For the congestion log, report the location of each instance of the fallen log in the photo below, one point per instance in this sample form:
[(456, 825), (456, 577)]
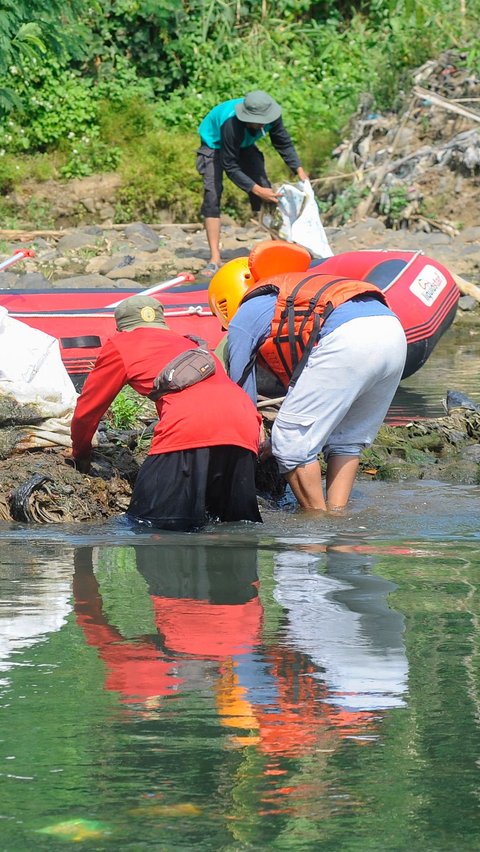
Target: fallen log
[(26, 235)]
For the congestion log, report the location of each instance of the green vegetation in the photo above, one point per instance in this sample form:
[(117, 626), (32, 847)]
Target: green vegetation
[(125, 409), (121, 85)]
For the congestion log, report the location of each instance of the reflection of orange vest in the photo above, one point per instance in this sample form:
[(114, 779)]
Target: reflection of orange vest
[(303, 304)]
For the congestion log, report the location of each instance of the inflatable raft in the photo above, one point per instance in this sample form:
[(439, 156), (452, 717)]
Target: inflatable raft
[(420, 290)]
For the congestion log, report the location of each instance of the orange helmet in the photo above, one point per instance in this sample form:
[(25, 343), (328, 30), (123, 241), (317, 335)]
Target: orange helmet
[(228, 287)]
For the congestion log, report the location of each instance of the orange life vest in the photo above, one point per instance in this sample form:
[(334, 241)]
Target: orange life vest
[(303, 304)]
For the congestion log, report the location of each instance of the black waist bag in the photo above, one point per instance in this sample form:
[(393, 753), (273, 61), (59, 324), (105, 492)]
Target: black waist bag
[(182, 372)]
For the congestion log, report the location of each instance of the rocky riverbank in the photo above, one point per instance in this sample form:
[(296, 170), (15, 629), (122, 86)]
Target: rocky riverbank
[(43, 487), (117, 256)]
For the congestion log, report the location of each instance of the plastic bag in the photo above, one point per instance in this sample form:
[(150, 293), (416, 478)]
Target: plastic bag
[(36, 392), (301, 222)]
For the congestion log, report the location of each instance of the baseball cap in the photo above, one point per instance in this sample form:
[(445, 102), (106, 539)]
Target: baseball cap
[(258, 108), (139, 312)]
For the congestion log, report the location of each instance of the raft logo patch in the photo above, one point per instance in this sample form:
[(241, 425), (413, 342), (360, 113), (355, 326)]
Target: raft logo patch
[(428, 284)]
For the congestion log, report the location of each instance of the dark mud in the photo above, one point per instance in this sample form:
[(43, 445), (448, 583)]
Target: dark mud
[(42, 486)]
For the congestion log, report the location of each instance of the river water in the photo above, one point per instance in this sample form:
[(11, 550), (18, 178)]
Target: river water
[(306, 683), (453, 365), (301, 684)]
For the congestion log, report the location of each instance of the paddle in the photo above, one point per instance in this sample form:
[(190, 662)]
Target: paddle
[(183, 278), (20, 254)]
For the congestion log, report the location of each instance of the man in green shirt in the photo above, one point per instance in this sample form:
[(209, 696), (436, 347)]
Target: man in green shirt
[(228, 134)]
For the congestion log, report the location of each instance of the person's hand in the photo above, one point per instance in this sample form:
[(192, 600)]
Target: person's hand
[(82, 465), (264, 450), (266, 193), (302, 174), (264, 445)]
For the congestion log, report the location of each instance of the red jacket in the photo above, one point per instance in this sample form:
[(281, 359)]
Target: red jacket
[(211, 413)]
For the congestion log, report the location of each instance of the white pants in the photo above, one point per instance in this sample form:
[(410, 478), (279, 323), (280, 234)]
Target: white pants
[(343, 393)]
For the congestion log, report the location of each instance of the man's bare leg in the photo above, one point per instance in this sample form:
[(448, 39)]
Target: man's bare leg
[(341, 473), (306, 484), (212, 227)]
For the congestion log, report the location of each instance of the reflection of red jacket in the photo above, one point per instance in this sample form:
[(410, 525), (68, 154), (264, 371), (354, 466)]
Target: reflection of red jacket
[(137, 670), (211, 631), (140, 670), (213, 412), (289, 722)]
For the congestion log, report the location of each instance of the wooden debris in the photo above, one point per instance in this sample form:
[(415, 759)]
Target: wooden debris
[(466, 287), (387, 155), (445, 103), (366, 204), (28, 235)]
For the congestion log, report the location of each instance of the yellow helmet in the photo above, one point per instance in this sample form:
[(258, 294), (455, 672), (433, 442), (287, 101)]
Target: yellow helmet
[(228, 287)]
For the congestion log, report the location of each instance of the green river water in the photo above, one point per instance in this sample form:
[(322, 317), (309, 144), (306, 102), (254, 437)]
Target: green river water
[(301, 684)]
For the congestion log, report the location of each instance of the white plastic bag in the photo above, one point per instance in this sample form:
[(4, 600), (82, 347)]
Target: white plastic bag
[(301, 220), (32, 373)]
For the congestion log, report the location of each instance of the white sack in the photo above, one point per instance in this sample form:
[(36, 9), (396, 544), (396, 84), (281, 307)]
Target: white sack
[(33, 373), (301, 222)]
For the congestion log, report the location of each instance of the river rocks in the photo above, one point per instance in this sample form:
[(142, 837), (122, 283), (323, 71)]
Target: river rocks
[(146, 254), (77, 240)]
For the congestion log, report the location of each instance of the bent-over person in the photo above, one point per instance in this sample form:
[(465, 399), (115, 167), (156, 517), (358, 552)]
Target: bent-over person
[(201, 463)]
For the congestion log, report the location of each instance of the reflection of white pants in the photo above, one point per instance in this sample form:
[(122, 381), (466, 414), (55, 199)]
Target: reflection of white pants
[(343, 393), (344, 624)]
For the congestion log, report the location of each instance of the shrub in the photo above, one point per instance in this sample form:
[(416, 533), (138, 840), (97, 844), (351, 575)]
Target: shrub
[(159, 172)]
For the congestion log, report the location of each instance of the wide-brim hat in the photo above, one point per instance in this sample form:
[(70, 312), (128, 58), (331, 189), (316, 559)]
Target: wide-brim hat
[(258, 108), (139, 312)]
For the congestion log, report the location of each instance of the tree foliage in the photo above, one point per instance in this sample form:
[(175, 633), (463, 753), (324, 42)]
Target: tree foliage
[(90, 79)]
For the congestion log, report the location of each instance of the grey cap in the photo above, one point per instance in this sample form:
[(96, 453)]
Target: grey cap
[(258, 108), (139, 312)]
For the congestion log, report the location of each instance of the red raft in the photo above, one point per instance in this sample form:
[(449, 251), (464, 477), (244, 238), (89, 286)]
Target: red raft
[(83, 319), (420, 290)]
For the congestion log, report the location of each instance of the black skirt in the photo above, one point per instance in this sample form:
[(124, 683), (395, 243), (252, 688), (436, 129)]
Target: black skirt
[(186, 489)]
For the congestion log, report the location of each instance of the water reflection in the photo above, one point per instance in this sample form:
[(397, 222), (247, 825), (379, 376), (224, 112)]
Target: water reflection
[(453, 365), (35, 601), (243, 689), (337, 654), (339, 616), (203, 614), (408, 405)]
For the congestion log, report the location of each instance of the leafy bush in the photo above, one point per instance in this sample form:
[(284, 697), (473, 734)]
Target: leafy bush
[(128, 120), (125, 83), (158, 172), (58, 105), (124, 410), (89, 155)]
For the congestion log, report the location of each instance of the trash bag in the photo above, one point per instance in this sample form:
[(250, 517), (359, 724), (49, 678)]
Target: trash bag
[(300, 219), (37, 396)]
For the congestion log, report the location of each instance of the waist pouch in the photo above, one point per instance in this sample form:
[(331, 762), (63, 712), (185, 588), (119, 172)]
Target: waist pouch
[(182, 372)]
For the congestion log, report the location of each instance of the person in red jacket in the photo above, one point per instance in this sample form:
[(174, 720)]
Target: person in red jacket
[(201, 463)]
